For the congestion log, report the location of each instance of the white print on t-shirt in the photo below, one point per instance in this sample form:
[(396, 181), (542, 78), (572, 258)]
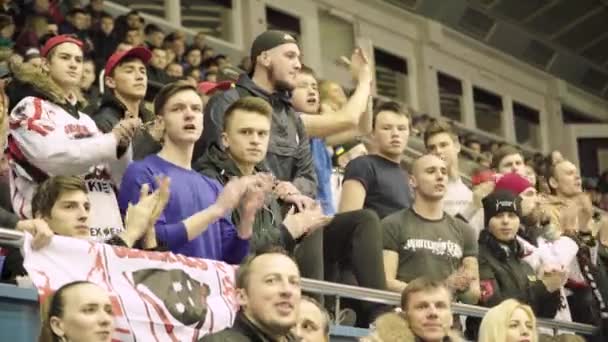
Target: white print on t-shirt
[(436, 247)]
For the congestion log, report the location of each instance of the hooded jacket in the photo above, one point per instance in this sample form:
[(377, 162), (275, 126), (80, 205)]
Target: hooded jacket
[(289, 156), (268, 228), (111, 111), (243, 330), (50, 137)]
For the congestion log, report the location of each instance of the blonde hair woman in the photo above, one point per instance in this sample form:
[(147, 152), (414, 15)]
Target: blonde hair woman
[(510, 321)]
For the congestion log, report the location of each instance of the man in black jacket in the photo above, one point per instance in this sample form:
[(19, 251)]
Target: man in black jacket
[(276, 60), (126, 81), (268, 293)]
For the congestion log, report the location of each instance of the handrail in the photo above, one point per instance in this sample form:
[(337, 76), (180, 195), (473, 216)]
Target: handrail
[(13, 237), (392, 298)]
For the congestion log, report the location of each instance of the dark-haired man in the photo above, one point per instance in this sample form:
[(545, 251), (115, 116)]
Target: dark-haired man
[(377, 181), (154, 36), (195, 221), (276, 60), (126, 82), (268, 293)]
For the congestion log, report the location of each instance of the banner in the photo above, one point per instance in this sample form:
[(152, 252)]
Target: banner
[(157, 296)]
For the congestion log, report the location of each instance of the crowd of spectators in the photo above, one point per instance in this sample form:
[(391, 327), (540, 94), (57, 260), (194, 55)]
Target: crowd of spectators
[(117, 131)]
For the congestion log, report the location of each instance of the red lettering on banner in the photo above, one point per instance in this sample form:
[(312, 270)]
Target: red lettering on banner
[(129, 253)]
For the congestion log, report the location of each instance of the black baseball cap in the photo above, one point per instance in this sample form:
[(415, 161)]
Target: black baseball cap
[(269, 40)]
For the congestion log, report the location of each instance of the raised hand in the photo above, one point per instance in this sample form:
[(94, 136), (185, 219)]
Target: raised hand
[(359, 66)]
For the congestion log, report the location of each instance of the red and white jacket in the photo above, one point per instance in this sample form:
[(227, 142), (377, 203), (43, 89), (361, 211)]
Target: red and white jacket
[(45, 140)]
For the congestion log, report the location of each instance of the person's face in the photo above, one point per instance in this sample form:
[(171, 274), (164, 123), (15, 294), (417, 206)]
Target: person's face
[(41, 6), (194, 58), (195, 75), (530, 174), (429, 314), (175, 70), (504, 226), (156, 39), (475, 146), (305, 96), (183, 118), (8, 31), (567, 179), (130, 79), (199, 40), (178, 47), (88, 75), (430, 177), (246, 137), (391, 133), (283, 64), (336, 94), (272, 295), (97, 5), (530, 202), (70, 215), (159, 59), (79, 21), (52, 28), (208, 53), (134, 37), (443, 146), (65, 66), (211, 77), (512, 163), (520, 327), (107, 25), (134, 21), (311, 323), (87, 316)]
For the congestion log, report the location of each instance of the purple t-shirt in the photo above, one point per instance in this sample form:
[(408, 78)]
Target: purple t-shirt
[(191, 192)]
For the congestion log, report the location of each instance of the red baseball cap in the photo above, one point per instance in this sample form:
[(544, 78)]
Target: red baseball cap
[(209, 87), (60, 39), (138, 52)]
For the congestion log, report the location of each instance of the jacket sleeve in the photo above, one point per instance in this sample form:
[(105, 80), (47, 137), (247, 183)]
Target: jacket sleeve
[(491, 294), (173, 235), (305, 178), (105, 119), (8, 219), (213, 121), (144, 145), (50, 150)]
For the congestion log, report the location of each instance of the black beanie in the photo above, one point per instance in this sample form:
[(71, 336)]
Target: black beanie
[(498, 202), (269, 40)]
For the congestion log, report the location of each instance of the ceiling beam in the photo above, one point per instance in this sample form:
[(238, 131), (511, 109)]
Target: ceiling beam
[(540, 11), (592, 42), (577, 21)]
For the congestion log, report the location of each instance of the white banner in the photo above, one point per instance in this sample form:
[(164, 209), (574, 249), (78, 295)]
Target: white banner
[(156, 296)]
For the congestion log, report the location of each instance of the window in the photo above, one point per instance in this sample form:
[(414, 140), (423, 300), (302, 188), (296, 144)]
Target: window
[(391, 75), (488, 111), (450, 96), (527, 125), (278, 20), (341, 34), (573, 116), (214, 17)]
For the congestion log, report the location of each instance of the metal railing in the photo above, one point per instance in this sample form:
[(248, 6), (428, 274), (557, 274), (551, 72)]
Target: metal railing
[(10, 237)]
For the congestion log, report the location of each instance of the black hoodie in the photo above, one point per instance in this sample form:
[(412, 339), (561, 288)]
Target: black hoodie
[(111, 111), (289, 156)]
